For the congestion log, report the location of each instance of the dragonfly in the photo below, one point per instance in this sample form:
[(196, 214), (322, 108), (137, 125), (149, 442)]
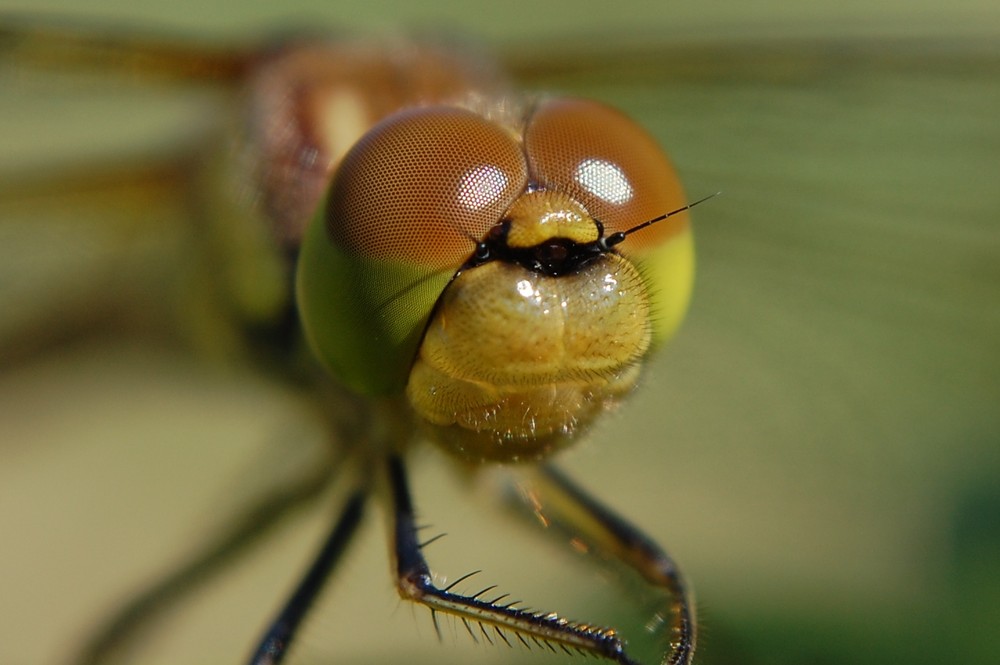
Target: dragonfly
[(815, 81), (410, 150)]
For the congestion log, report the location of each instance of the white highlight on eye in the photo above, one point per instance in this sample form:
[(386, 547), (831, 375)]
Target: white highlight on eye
[(604, 180), (481, 186)]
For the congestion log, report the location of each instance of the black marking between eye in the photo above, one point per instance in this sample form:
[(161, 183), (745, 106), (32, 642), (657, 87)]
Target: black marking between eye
[(558, 256), (555, 257)]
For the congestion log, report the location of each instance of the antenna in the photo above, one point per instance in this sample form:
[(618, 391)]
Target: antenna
[(619, 236)]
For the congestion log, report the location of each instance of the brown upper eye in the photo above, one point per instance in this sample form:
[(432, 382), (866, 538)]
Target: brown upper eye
[(422, 185), (606, 162)]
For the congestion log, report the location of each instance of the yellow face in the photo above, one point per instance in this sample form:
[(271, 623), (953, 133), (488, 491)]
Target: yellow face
[(461, 258)]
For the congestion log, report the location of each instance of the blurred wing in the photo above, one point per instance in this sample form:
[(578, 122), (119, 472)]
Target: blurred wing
[(104, 133)]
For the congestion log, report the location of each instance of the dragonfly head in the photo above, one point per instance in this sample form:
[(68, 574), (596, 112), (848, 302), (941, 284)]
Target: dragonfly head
[(490, 272)]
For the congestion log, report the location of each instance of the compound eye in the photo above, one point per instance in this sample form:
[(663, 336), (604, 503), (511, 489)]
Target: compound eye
[(407, 207), (605, 161), (423, 186)]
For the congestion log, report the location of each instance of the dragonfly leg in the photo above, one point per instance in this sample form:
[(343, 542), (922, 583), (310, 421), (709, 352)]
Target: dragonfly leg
[(126, 626), (558, 500), (274, 644), (416, 584)]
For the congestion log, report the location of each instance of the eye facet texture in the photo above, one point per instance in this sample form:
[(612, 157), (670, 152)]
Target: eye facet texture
[(609, 164), (424, 186), (405, 210)]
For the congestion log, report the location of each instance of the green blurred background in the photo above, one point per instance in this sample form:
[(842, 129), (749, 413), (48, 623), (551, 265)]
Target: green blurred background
[(819, 447)]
